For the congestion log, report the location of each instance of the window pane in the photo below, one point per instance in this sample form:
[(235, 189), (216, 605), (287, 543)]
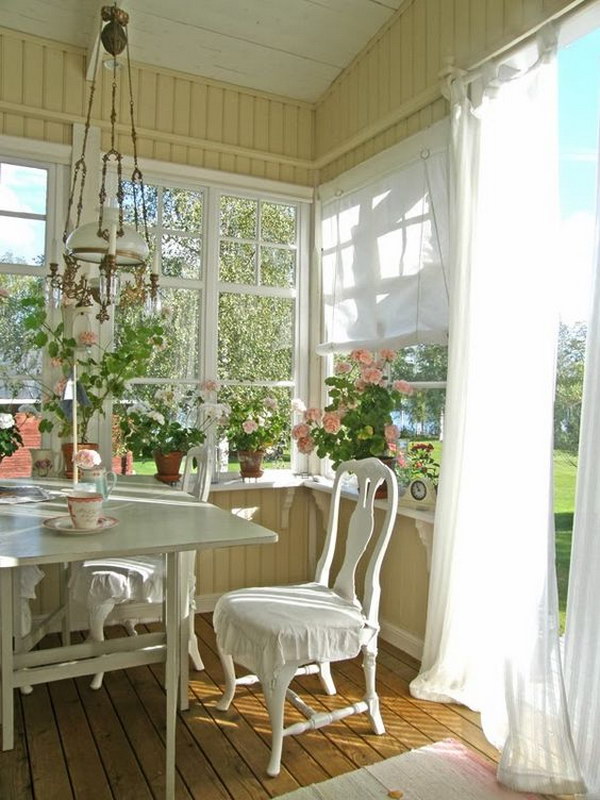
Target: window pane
[(423, 411), (22, 241), (181, 257), (238, 217), (278, 266), (278, 223), (151, 197), (14, 355), (23, 189), (182, 210), (237, 263), (181, 319), (255, 338)]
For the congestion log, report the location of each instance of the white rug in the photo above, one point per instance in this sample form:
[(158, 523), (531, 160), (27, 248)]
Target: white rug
[(442, 771)]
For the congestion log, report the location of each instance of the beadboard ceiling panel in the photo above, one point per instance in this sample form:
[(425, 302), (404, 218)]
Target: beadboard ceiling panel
[(293, 48)]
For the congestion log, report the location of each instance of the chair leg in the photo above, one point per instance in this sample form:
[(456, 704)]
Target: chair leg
[(97, 617), (193, 650), (371, 697), (326, 679), (275, 692), (229, 673)]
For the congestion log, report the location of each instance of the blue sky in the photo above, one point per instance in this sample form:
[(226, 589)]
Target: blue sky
[(579, 122)]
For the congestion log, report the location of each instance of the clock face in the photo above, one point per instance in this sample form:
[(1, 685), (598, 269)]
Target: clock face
[(418, 490)]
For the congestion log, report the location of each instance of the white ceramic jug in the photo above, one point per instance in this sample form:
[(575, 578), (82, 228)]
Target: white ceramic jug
[(103, 481)]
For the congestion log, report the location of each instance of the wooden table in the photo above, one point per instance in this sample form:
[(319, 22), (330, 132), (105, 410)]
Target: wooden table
[(151, 520)]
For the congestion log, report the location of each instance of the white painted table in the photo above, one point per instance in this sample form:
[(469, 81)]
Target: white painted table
[(151, 520)]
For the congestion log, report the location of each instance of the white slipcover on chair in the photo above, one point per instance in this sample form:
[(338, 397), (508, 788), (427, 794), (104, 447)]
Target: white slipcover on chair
[(136, 584), (276, 631)]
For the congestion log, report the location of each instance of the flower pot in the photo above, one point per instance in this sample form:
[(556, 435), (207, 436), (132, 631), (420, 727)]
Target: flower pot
[(251, 463), (381, 492), (67, 451), (167, 466)]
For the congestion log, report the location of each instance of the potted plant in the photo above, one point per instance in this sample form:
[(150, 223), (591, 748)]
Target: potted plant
[(253, 425), (102, 372), (10, 436), (164, 428), (358, 421)]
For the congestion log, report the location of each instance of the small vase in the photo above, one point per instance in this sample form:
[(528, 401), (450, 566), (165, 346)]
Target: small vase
[(251, 463), (167, 466), (67, 451), (42, 462)]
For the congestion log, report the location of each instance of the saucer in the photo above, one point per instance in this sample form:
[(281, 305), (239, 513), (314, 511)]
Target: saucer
[(65, 525)]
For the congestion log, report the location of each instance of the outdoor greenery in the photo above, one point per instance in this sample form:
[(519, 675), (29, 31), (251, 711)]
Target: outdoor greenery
[(569, 386)]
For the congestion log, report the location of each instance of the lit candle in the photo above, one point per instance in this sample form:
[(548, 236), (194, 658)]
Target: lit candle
[(155, 263), (112, 240), (54, 252)]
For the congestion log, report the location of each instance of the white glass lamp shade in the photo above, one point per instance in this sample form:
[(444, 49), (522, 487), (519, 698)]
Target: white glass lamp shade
[(85, 244)]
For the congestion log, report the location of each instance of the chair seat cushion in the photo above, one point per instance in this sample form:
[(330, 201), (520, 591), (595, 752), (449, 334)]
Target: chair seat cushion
[(120, 580), (267, 627)]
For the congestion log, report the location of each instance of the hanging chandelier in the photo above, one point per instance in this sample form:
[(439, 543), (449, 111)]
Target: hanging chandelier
[(119, 250)]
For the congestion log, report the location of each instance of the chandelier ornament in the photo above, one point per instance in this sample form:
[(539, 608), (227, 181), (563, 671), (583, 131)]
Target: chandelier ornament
[(108, 242)]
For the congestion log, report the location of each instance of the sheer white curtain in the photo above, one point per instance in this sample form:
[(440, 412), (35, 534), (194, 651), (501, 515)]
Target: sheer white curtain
[(582, 640), (492, 634)]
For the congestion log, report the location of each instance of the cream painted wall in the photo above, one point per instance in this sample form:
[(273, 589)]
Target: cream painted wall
[(391, 89), (180, 118)]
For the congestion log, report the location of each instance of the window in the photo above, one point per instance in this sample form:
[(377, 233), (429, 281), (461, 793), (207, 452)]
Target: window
[(229, 267), (24, 191)]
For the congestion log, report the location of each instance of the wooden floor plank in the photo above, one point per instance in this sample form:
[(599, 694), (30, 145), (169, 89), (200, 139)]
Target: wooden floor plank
[(49, 772), (15, 775), (72, 742)]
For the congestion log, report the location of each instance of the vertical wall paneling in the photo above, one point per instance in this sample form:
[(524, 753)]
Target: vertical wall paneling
[(231, 117), (420, 35)]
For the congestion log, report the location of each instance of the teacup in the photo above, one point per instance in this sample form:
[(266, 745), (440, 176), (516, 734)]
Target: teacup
[(85, 509)]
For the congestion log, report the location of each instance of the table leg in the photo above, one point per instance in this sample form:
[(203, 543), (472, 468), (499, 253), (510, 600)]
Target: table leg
[(172, 627), (64, 574), (6, 658), (184, 632)]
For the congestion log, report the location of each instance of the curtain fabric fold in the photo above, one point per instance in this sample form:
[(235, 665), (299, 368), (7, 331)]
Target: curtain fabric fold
[(492, 631), (582, 639)]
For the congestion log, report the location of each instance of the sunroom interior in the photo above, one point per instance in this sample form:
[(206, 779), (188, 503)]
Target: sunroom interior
[(305, 112)]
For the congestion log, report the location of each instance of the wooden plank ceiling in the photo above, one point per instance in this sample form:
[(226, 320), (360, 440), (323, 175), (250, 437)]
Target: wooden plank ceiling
[(293, 48)]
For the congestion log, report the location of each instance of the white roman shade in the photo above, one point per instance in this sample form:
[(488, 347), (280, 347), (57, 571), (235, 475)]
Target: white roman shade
[(385, 250)]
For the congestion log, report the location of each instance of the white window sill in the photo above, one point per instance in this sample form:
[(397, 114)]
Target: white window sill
[(286, 479)]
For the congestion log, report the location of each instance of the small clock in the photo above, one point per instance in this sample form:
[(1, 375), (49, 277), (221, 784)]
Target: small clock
[(420, 493)]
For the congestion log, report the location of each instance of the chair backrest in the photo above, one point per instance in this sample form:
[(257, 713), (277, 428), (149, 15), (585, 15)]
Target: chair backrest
[(370, 473), (198, 483)]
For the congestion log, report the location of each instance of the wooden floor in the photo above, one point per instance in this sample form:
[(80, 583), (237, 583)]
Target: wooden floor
[(72, 742)]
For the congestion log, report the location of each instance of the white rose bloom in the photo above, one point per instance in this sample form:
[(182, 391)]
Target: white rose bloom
[(6, 421), (298, 405), (157, 417)]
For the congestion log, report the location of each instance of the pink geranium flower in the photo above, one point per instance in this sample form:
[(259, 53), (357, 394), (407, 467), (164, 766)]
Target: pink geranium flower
[(87, 459), (300, 431), (387, 355), (362, 356), (331, 422), (306, 445), (342, 367), (313, 414), (391, 433), (403, 386), (249, 426), (210, 385), (372, 375)]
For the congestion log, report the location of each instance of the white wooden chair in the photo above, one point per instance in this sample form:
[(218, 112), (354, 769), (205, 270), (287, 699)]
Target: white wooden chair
[(277, 631), (131, 589)]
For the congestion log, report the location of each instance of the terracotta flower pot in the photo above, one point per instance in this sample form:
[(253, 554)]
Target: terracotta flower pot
[(67, 451), (251, 463), (167, 466)]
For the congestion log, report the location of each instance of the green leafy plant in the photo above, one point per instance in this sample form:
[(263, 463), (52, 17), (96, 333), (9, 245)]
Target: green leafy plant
[(102, 372), (167, 422), (10, 436), (254, 423), (422, 463), (358, 422)]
